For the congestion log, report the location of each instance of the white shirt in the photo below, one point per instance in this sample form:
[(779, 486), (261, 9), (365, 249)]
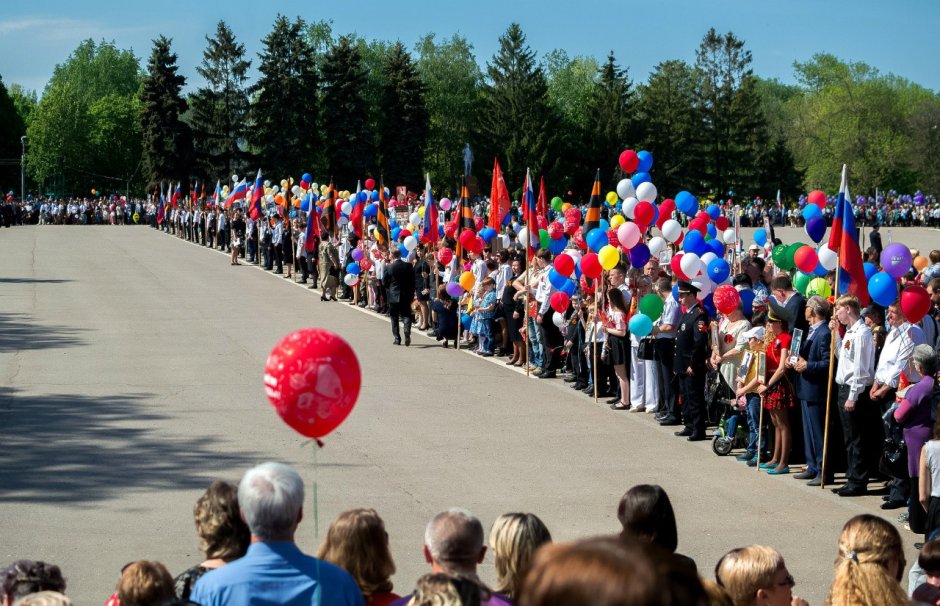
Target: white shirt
[(897, 354), (669, 316), (503, 274), (544, 291), (856, 353)]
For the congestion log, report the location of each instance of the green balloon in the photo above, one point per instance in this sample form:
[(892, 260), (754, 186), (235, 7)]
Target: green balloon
[(557, 203), (652, 306), (779, 256), (544, 238), (801, 282), (818, 286)]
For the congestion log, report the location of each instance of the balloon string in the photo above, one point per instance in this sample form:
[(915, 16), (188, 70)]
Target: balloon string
[(316, 503)]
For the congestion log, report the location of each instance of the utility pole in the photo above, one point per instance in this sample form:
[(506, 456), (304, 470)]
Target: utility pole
[(23, 170)]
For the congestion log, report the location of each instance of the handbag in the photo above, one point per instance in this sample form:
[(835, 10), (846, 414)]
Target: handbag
[(646, 350), (894, 455)]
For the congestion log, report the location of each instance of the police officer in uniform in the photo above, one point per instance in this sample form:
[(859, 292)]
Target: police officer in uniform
[(689, 362)]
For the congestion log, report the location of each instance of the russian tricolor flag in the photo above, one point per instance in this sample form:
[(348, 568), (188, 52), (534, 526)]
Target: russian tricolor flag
[(528, 198), (257, 193), (843, 240), (239, 193), (313, 223), (429, 229)]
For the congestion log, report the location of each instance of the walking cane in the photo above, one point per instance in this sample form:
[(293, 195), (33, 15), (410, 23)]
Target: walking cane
[(762, 379)]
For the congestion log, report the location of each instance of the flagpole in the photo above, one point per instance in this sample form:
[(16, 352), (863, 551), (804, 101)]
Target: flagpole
[(528, 260), (832, 365), (597, 292)]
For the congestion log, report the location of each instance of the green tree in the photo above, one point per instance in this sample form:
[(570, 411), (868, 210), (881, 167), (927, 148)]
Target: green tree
[(98, 70), (612, 119), (924, 151), (405, 124), (219, 117), (58, 141), (286, 109), (167, 141), (518, 121), (115, 136), (453, 81), (374, 55), (24, 100), (666, 108), (349, 149), (12, 127)]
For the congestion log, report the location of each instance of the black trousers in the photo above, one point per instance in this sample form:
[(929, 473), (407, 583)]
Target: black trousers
[(402, 312), (861, 448), (278, 259), (692, 390), (668, 382)]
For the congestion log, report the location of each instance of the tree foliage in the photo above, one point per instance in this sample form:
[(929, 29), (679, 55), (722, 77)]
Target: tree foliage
[(12, 127), (613, 125), (404, 128)]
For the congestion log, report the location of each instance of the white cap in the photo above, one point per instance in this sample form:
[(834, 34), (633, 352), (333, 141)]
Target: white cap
[(755, 333)]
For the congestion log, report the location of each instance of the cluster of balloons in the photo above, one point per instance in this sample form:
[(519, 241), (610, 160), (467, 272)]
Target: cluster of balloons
[(883, 285)]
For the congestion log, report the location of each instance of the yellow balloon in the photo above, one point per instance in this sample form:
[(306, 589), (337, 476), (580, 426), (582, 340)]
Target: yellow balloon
[(565, 206), (467, 280), (609, 256), (616, 221), (421, 211), (410, 228), (612, 197), (283, 182)]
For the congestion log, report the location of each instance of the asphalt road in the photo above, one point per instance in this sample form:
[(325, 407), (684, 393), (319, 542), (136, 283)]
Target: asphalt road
[(131, 370)]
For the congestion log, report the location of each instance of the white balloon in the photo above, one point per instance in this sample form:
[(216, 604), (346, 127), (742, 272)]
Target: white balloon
[(625, 189), (267, 183), (628, 205), (411, 243), (827, 257), (705, 288), (646, 191), (275, 189), (415, 219), (691, 265), (295, 190), (342, 221), (728, 236), (506, 241), (708, 258), (315, 186), (523, 235), (656, 245), (269, 199), (558, 319), (351, 279), (235, 178), (672, 230), (346, 207)]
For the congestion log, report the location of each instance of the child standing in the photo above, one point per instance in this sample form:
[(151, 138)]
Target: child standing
[(485, 314)]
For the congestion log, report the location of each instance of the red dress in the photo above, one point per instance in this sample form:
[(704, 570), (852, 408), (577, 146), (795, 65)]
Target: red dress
[(779, 395)]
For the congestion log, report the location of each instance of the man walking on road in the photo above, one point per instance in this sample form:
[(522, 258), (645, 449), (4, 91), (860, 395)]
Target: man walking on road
[(400, 282)]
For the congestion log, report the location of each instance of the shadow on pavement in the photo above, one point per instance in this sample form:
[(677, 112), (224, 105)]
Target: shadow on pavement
[(32, 281), (18, 332), (82, 449)]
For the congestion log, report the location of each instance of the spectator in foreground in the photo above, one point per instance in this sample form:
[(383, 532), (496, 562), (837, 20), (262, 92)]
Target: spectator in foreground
[(514, 539), (144, 583), (44, 598), (756, 575), (358, 543), (274, 570), (646, 515), (869, 566), (223, 535), (24, 577)]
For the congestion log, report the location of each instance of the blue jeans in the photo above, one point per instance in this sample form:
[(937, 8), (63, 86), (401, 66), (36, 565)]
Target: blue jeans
[(814, 414), (536, 344), (486, 335), (753, 424)]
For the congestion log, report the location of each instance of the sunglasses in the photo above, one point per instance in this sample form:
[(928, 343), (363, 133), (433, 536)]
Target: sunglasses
[(788, 581)]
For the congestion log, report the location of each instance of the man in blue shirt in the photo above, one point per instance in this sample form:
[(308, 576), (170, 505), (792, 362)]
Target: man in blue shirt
[(275, 571)]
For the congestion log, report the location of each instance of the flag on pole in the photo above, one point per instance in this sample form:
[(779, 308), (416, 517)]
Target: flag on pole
[(499, 198), (466, 211), (218, 193), (541, 207), (528, 199), (254, 209), (176, 195), (239, 193), (356, 216), (592, 218), (843, 240), (327, 212), (313, 223), (429, 230), (161, 213), (382, 234)]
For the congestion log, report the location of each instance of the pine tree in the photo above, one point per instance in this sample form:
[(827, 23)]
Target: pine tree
[(285, 112), (220, 110), (518, 122), (12, 128), (167, 140), (612, 110), (349, 146), (404, 129)]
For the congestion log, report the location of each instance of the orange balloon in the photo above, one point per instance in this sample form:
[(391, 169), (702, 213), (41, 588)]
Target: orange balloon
[(921, 262), (279, 199)]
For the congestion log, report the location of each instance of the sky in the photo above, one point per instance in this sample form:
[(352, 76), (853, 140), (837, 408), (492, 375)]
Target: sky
[(900, 38)]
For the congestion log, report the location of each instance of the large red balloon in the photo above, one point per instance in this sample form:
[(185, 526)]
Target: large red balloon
[(915, 303), (629, 161), (726, 299), (805, 259), (721, 223), (591, 266), (478, 223), (578, 238), (699, 226), (312, 379), (560, 301), (817, 197), (450, 229), (445, 256), (643, 214), (564, 265), (468, 239), (555, 230), (370, 183)]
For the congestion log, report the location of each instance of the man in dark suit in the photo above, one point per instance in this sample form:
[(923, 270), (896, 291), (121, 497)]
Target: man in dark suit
[(874, 238), (812, 379), (689, 362), (399, 280)]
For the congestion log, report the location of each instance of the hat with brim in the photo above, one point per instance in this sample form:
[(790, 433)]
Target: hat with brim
[(687, 288)]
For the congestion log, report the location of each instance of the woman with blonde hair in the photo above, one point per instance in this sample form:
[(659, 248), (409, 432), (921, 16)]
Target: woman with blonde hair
[(358, 543), (869, 566), (756, 575), (514, 539), (144, 583)]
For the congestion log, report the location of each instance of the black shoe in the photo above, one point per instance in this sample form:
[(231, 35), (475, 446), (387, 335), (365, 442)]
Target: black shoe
[(589, 390), (571, 379), (697, 437), (817, 481), (613, 400), (579, 386), (893, 505), (685, 433), (549, 374), (669, 422), (407, 340), (396, 342), (850, 491), (805, 475)]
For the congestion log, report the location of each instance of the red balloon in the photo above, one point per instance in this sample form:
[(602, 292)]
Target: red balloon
[(370, 183), (542, 222), (560, 301), (571, 225), (699, 226), (478, 223), (479, 244), (817, 197), (643, 214), (573, 213), (612, 238), (591, 266), (312, 379), (704, 217), (721, 223), (578, 238), (556, 230), (365, 264), (445, 255), (450, 229), (915, 303), (404, 233), (676, 268), (468, 239), (564, 265), (726, 298), (805, 259), (586, 287), (629, 161)]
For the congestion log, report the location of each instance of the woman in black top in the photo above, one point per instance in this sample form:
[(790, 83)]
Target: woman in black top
[(514, 310), (238, 236)]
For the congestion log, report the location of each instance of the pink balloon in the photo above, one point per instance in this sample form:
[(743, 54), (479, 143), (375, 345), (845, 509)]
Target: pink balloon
[(628, 234)]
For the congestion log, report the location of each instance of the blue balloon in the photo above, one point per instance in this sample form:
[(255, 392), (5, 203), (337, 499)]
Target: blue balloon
[(569, 287), (404, 251), (639, 255), (646, 161), (640, 177), (675, 292), (396, 231), (686, 203), (487, 233), (816, 227), (810, 211), (760, 237), (370, 210), (716, 247), (353, 268), (747, 301), (597, 239), (719, 270), (556, 279), (465, 320), (820, 271), (557, 246), (305, 205), (363, 196), (694, 242), (375, 196), (713, 211), (640, 325), (708, 304), (870, 270), (605, 225), (883, 289), (577, 271), (711, 231), (306, 177)]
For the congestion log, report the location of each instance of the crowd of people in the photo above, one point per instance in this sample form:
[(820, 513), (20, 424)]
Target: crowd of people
[(247, 537)]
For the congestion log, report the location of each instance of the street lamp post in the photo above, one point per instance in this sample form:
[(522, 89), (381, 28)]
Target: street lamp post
[(23, 170)]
